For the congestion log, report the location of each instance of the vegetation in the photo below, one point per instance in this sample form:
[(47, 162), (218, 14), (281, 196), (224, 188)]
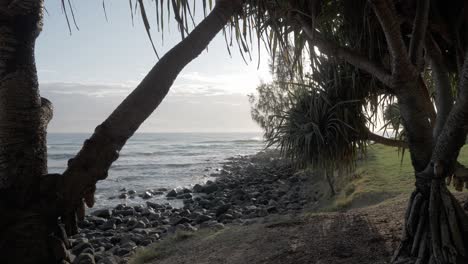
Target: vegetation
[(370, 53), (167, 246)]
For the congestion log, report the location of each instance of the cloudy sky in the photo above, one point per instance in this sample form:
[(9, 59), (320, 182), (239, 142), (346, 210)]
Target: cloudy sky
[(86, 74)]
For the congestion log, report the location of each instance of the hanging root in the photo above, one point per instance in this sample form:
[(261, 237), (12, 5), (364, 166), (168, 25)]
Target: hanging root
[(436, 229)]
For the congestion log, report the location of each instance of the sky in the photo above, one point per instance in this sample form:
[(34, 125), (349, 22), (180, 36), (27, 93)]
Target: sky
[(87, 73)]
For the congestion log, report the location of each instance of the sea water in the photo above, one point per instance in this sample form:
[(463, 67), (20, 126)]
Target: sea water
[(156, 160)]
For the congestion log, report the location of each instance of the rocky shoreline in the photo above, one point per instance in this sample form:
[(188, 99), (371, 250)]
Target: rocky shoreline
[(246, 188)]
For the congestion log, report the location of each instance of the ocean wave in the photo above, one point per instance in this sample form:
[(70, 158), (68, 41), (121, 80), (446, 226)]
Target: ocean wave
[(60, 156), (139, 166), (237, 141), (163, 153)]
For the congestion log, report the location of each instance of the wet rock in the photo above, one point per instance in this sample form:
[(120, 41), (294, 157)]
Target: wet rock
[(184, 196), (154, 205), (197, 188), (76, 250), (104, 213), (222, 209), (179, 220), (122, 251), (172, 193), (85, 258), (146, 195), (109, 225), (210, 188), (96, 220)]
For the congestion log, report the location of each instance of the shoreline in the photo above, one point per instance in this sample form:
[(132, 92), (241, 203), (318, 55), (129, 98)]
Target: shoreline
[(246, 189)]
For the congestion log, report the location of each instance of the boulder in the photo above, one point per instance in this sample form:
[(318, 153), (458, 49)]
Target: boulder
[(197, 188), (84, 258), (172, 193), (146, 195), (222, 209), (109, 225), (104, 213), (108, 260), (76, 250), (210, 188)]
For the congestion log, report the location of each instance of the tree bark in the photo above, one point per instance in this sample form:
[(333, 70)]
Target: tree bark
[(23, 120), (102, 149), (443, 89)]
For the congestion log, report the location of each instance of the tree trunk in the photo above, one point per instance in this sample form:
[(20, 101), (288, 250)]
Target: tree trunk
[(102, 149), (23, 120), (436, 227), (31, 200)]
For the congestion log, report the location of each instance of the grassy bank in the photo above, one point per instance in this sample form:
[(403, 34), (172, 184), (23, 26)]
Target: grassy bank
[(384, 173)]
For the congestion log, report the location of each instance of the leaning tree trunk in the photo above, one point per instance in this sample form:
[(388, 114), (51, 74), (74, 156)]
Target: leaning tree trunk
[(33, 201), (23, 120)]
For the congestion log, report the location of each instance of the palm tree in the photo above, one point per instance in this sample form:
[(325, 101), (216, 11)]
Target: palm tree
[(388, 43)]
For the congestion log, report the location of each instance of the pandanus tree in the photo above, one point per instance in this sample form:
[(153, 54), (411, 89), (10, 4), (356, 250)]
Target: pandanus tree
[(412, 53), (40, 209), (387, 43)]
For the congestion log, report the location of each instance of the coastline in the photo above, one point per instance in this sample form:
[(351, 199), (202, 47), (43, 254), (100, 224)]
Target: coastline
[(246, 189)]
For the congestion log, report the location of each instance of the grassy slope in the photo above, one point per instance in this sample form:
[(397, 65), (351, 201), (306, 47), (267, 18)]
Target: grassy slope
[(383, 174)]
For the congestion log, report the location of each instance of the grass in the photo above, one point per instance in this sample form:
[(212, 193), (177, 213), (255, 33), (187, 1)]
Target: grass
[(170, 245), (383, 174)]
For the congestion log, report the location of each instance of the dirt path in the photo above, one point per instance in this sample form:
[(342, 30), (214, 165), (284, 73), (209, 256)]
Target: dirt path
[(366, 235)]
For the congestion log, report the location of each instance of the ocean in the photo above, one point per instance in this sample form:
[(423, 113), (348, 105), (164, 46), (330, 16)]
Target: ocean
[(157, 160)]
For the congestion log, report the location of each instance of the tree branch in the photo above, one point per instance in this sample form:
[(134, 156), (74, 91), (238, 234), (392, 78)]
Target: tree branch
[(385, 141), (419, 31), (443, 88), (401, 64), (453, 136), (102, 149), (332, 49)]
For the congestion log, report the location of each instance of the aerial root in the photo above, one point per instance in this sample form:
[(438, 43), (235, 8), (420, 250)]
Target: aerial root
[(435, 231)]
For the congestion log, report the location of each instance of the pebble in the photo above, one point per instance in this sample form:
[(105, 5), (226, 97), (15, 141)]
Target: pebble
[(245, 189)]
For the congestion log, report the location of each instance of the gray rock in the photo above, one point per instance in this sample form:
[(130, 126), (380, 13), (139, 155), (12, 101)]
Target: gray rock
[(154, 205), (108, 260), (109, 225), (146, 195), (172, 193), (76, 250), (203, 218), (222, 209), (85, 258), (179, 221), (197, 188), (96, 220), (104, 213), (123, 196), (210, 188), (122, 251)]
